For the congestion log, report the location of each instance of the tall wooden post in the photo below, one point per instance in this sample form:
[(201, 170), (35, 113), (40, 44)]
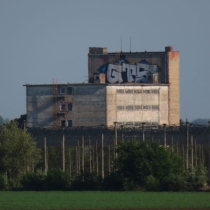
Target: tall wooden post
[(164, 130), (187, 144), (78, 152), (45, 152), (196, 162), (122, 134), (143, 137), (199, 149), (83, 158), (183, 156), (63, 152), (90, 159), (96, 158), (109, 168), (93, 151), (102, 156), (115, 131), (177, 148), (76, 157), (209, 149), (70, 162), (192, 158)]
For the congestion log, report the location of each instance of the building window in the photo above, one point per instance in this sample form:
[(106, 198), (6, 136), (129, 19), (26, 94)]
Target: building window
[(70, 106), (129, 108), (137, 91), (138, 107), (63, 123), (155, 107), (70, 90), (120, 90), (70, 123), (119, 108), (62, 90), (146, 91), (129, 91)]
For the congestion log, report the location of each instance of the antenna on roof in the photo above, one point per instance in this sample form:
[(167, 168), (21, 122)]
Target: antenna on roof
[(121, 44), (130, 44)]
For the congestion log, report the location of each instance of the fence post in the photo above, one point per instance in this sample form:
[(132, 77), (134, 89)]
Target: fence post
[(78, 152), (192, 158), (209, 149), (45, 151), (83, 156), (122, 133), (90, 159), (96, 158), (143, 137), (63, 152), (109, 168), (187, 138), (164, 129), (172, 140), (195, 153), (76, 156), (115, 132), (70, 162)]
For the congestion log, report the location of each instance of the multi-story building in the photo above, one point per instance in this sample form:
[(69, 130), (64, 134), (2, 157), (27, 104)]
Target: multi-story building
[(126, 87)]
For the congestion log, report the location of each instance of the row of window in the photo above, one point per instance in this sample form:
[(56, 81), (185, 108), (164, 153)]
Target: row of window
[(137, 107), (137, 91), (137, 123), (66, 90)]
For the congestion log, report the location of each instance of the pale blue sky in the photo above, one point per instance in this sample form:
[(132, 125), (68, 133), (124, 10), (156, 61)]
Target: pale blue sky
[(42, 40)]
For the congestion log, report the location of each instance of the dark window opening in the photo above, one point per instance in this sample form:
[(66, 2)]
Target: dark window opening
[(62, 90), (70, 107), (63, 107), (63, 123), (69, 123), (70, 90)]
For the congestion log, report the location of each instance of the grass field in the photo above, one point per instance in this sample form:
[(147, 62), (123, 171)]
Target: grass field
[(97, 200)]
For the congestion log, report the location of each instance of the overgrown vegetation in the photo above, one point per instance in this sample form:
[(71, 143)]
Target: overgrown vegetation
[(139, 166), (18, 153)]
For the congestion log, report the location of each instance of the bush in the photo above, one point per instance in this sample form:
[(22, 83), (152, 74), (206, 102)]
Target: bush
[(173, 182), (3, 182), (151, 183), (113, 182), (57, 179), (33, 181), (91, 182), (196, 177)]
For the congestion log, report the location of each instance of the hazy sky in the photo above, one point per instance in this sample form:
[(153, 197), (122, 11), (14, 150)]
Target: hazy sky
[(42, 40)]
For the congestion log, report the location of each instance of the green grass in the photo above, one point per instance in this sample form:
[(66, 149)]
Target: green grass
[(91, 200)]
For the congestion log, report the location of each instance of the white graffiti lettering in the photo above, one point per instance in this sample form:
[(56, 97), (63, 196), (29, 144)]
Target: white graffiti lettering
[(137, 73)]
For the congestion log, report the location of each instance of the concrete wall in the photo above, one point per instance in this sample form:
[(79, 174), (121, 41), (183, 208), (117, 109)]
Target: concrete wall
[(39, 105), (173, 94), (44, 102), (89, 106), (131, 105)]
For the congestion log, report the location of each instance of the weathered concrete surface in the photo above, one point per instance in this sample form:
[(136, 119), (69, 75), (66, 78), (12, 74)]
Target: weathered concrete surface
[(134, 104), (173, 92)]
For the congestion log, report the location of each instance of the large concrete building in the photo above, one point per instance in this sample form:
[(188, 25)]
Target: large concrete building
[(126, 87)]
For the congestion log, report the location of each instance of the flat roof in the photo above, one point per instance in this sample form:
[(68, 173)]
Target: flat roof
[(94, 84)]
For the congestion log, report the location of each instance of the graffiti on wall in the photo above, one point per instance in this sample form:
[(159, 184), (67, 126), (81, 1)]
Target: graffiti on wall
[(122, 71)]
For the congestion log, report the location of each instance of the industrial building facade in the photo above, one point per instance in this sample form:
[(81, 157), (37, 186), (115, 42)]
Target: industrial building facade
[(127, 88)]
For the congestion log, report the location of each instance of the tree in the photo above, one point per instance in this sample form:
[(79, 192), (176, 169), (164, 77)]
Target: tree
[(137, 161), (17, 152)]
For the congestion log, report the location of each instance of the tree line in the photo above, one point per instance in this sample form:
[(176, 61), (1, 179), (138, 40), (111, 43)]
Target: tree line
[(136, 166)]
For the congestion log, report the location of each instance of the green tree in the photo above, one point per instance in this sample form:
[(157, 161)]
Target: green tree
[(137, 161), (17, 152)]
